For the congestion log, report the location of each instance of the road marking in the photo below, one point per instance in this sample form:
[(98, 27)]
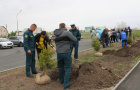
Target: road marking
[(24, 65)]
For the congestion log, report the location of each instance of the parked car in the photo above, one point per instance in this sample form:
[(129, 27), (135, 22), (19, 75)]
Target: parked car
[(5, 43), (17, 40)]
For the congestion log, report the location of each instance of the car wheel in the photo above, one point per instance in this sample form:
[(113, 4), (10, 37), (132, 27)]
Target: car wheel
[(20, 45), (1, 47)]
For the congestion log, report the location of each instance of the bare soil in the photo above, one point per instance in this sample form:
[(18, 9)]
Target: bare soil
[(94, 75)]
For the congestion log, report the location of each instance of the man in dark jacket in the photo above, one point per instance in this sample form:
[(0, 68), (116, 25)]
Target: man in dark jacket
[(29, 48), (129, 31), (41, 40), (126, 31), (104, 35), (77, 34), (64, 60)]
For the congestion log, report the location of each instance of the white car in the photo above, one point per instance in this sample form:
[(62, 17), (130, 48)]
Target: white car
[(5, 43)]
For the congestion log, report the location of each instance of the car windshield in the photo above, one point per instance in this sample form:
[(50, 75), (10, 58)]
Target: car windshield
[(20, 37), (12, 38), (3, 39)]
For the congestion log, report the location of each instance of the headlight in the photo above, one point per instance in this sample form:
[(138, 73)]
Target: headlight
[(4, 44)]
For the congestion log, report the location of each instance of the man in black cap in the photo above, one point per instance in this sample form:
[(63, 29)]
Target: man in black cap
[(77, 34)]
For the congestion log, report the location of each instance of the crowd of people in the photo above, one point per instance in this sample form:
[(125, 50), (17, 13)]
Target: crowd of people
[(65, 42), (107, 37)]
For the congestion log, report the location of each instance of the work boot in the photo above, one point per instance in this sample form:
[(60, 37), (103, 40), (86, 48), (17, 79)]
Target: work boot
[(66, 88), (29, 76), (35, 73), (75, 60)]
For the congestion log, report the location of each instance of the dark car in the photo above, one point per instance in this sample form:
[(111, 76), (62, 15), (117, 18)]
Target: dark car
[(17, 40)]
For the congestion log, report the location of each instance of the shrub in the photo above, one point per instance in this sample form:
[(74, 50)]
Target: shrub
[(134, 36), (129, 40), (96, 45), (45, 58)]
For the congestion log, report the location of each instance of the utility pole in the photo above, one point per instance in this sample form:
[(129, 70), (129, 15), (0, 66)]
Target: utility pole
[(17, 22)]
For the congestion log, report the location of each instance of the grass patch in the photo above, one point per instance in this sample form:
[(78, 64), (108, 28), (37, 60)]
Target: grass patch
[(120, 64), (124, 68), (92, 58), (136, 32), (133, 63), (115, 70), (86, 35)]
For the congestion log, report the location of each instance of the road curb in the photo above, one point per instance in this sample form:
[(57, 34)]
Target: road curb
[(125, 76), (24, 65)]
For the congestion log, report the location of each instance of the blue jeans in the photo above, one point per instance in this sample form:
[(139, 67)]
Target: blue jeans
[(64, 62), (107, 41), (124, 41)]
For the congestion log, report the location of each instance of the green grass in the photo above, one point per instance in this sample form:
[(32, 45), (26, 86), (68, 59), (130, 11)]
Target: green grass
[(120, 64), (133, 63), (115, 70), (136, 32), (86, 35), (92, 58)]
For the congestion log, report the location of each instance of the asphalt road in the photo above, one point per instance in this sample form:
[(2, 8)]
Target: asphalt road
[(12, 58), (132, 81)]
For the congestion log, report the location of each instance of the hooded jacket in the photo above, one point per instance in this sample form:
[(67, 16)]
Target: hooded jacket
[(104, 34), (123, 35), (62, 40)]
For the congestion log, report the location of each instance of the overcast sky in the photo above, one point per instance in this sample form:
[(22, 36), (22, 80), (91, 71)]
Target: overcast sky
[(49, 13)]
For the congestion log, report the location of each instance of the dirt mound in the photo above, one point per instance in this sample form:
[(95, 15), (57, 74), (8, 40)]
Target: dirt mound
[(137, 44), (93, 75), (89, 75), (54, 74), (125, 51), (109, 52)]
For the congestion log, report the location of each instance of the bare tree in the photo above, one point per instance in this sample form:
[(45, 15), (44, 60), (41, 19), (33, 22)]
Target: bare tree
[(121, 25)]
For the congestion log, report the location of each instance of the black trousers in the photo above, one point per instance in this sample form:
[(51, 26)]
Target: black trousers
[(38, 52), (113, 38)]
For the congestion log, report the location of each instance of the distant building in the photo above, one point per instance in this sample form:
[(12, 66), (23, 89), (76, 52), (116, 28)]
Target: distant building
[(90, 28), (103, 27), (3, 31), (38, 30), (20, 33)]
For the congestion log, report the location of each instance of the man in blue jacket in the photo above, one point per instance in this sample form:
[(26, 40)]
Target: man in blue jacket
[(77, 34), (29, 48), (124, 38)]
